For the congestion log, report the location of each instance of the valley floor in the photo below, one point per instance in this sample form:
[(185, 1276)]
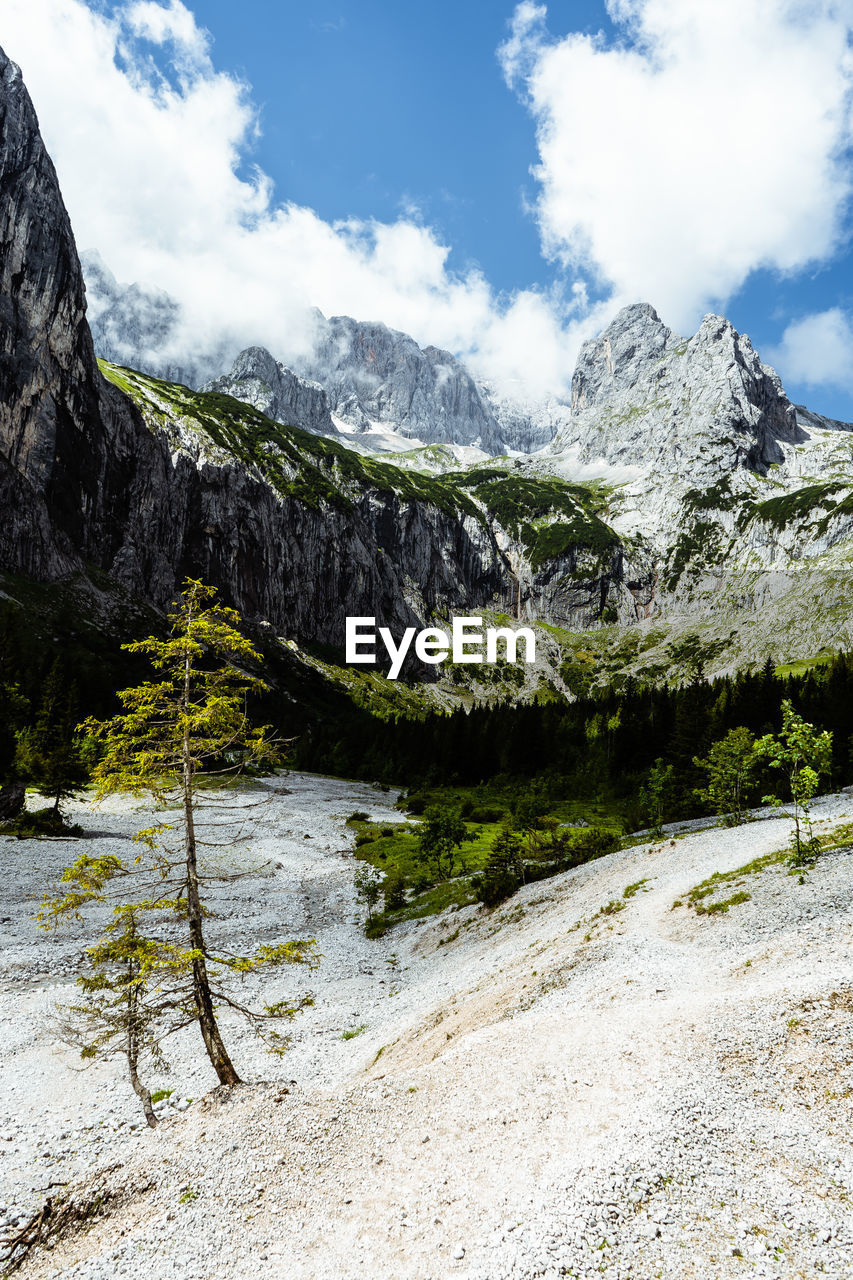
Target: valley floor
[(543, 1090)]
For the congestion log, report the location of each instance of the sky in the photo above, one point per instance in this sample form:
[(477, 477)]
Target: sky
[(493, 178)]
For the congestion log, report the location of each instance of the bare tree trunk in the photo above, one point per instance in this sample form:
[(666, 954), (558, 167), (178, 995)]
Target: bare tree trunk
[(213, 1043), (142, 1093)]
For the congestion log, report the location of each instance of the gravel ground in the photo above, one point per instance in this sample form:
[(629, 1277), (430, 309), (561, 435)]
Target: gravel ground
[(538, 1091)]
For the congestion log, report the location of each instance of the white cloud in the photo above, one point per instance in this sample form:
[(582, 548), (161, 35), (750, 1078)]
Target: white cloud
[(152, 168), (528, 37), (703, 144), (817, 350), (173, 23)]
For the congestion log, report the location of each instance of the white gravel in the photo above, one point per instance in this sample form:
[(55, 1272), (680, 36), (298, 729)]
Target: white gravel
[(647, 1093)]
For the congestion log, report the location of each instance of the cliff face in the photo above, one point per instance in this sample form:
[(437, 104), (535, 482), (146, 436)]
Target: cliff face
[(700, 407), (373, 373), (257, 378), (49, 408), (87, 477), (301, 565)]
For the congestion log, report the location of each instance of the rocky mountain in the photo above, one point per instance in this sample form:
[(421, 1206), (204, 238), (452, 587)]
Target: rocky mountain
[(375, 374), (743, 501), (372, 375), (807, 419), (701, 407), (147, 481), (260, 380), (682, 488)]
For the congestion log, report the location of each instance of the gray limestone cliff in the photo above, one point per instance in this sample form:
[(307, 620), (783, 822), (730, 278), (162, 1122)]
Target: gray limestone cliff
[(258, 379), (87, 480), (809, 421), (51, 435), (700, 407), (375, 374)]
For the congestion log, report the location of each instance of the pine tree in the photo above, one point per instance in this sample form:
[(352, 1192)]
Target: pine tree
[(504, 869), (48, 753), (186, 728)]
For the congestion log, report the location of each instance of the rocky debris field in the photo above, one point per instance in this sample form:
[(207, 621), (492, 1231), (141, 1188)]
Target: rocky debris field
[(582, 1082)]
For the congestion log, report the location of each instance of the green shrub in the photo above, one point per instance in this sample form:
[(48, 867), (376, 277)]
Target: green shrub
[(714, 908), (482, 814), (394, 890), (495, 885), (38, 824), (587, 843), (518, 859)]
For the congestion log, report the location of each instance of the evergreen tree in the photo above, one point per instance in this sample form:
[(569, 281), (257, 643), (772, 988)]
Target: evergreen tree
[(13, 708), (503, 872), (186, 728), (48, 754)]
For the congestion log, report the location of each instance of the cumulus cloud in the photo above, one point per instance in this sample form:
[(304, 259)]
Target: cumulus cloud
[(703, 142), (817, 350), (155, 169)]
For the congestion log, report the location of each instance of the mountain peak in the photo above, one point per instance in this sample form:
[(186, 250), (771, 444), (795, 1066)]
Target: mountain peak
[(257, 378), (695, 408), (620, 356)]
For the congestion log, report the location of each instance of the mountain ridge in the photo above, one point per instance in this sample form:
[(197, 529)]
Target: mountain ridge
[(709, 483), (371, 373), (88, 480)]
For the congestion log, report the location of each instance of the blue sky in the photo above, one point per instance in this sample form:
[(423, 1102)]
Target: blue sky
[(367, 106), (696, 156)]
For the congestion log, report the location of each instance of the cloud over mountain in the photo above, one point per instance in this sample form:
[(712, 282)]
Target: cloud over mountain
[(153, 145), (699, 143)]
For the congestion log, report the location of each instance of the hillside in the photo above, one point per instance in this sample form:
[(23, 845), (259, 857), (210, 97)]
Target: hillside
[(587, 1080)]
